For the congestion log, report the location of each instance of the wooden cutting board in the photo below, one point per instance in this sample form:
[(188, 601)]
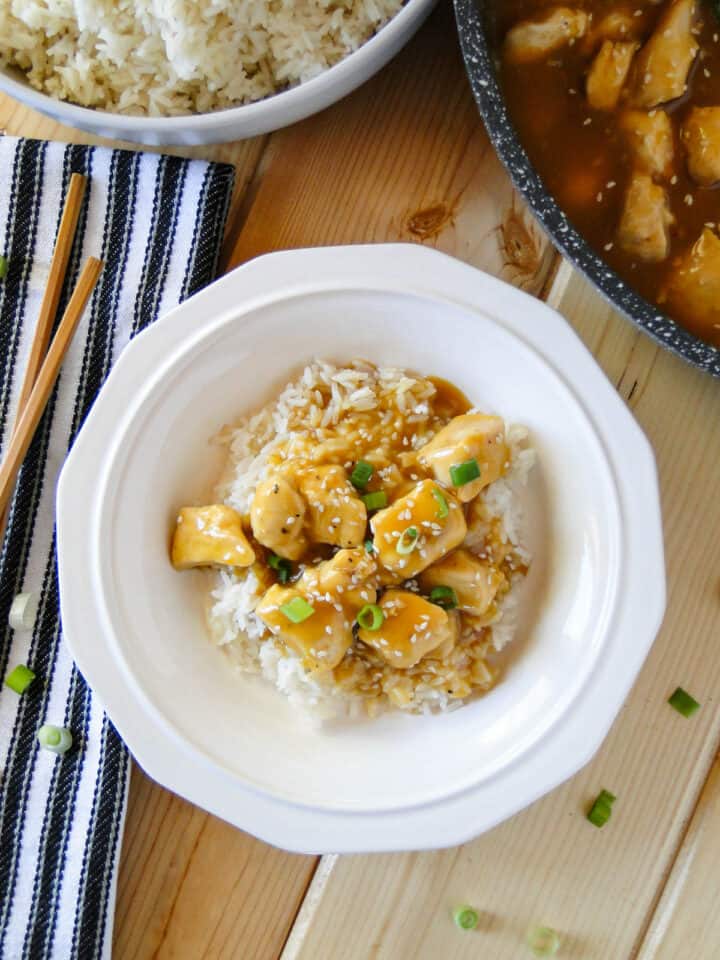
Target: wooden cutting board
[(406, 158)]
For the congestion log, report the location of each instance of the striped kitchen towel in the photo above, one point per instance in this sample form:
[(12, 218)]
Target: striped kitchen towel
[(157, 222)]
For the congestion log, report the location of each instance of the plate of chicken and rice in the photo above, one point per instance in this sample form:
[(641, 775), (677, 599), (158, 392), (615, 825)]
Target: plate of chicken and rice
[(350, 591)]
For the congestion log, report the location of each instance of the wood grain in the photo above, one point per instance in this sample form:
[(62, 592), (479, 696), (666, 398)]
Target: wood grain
[(405, 158)]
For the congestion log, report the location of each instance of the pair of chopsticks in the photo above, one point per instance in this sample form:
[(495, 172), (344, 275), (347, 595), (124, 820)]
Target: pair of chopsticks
[(45, 358)]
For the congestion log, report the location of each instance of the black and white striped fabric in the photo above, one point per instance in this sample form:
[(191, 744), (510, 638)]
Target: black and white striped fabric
[(157, 222)]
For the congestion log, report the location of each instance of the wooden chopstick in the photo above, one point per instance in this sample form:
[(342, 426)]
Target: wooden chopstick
[(51, 297), (47, 375)]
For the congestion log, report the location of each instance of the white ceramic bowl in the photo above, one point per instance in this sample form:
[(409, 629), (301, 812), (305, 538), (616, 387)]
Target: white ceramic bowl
[(236, 123), (591, 606)]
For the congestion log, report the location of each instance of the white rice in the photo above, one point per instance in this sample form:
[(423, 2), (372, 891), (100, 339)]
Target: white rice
[(170, 57), (295, 417)]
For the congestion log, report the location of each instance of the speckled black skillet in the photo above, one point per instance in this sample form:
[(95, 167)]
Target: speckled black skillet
[(480, 66)]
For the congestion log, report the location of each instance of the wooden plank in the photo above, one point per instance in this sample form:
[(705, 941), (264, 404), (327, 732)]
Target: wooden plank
[(547, 864), (687, 921), (405, 158)]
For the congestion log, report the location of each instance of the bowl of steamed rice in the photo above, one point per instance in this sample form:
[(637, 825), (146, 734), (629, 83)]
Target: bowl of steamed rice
[(364, 528), (192, 73)]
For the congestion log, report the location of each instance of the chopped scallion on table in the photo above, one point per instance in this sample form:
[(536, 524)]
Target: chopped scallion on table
[(462, 473), (601, 810), (361, 474), (543, 941), (408, 541), (23, 611), (3, 267), (297, 610), (376, 500), (467, 918), (442, 503), (444, 597), (684, 703), (370, 617), (282, 566), (55, 739), (20, 678)]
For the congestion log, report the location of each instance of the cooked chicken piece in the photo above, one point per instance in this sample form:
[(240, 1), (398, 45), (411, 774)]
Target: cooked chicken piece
[(475, 583), (469, 436), (700, 135), (693, 287), (411, 534), (620, 24), (650, 139), (348, 577), (608, 74), (448, 645), (277, 517), (322, 640), (412, 628), (646, 218), (336, 513), (662, 66), (535, 39), (210, 535)]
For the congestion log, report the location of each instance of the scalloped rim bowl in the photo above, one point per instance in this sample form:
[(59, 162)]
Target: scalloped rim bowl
[(590, 607), (236, 123)]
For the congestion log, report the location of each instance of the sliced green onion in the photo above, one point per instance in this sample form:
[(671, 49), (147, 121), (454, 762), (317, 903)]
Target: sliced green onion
[(408, 541), (23, 611), (56, 739), (467, 918), (369, 546), (444, 597), (466, 472), (361, 474), (3, 267), (370, 617), (442, 503), (601, 810), (376, 500), (543, 941), (684, 703), (20, 678), (297, 610), (282, 566)]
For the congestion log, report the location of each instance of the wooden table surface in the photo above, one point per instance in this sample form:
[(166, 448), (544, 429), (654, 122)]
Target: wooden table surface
[(406, 158)]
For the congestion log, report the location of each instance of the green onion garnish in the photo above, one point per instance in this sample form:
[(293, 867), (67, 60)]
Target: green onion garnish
[(408, 541), (361, 474), (444, 597), (370, 617), (297, 610), (467, 918), (462, 473), (3, 267), (684, 703), (23, 611), (282, 566), (376, 500), (20, 678), (369, 546), (56, 739), (543, 941), (442, 503), (601, 810)]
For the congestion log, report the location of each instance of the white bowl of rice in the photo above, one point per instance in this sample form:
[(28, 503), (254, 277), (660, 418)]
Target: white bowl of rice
[(187, 73), (217, 714)]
